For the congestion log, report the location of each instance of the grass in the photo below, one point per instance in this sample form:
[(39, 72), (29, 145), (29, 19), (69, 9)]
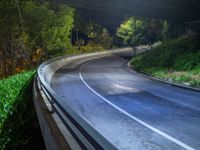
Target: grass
[(176, 60), (18, 123)]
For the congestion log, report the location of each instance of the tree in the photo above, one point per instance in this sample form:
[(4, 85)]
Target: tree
[(131, 32), (97, 35), (28, 28), (10, 32), (103, 39), (92, 29), (172, 29), (153, 31), (79, 26), (136, 31), (49, 27)]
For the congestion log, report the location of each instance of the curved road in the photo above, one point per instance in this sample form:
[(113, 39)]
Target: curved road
[(130, 110)]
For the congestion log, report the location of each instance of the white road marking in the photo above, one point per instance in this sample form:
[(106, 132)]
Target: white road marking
[(72, 76), (174, 140), (126, 88)]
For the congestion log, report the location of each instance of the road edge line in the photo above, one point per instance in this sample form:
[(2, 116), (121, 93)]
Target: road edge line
[(172, 139)]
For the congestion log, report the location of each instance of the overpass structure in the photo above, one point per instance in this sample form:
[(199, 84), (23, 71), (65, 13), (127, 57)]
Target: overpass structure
[(186, 11)]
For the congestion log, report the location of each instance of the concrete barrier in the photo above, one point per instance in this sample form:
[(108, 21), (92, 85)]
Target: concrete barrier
[(64, 129), (48, 68)]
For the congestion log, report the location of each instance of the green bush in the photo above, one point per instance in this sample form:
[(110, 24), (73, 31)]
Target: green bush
[(91, 48), (196, 70), (182, 78), (176, 55), (179, 54), (188, 61), (195, 83), (11, 100)]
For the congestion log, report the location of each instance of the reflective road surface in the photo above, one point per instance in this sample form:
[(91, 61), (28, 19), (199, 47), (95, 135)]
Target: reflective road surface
[(130, 110)]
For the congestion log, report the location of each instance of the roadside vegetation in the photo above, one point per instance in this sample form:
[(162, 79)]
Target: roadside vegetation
[(31, 32), (34, 31), (18, 120), (176, 60)]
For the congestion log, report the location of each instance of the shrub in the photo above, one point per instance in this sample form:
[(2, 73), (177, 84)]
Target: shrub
[(10, 91), (177, 55), (91, 48)]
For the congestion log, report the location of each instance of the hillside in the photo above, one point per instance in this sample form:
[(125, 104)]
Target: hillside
[(176, 60)]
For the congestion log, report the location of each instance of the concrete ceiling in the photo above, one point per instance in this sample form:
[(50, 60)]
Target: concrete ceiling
[(187, 11), (179, 10)]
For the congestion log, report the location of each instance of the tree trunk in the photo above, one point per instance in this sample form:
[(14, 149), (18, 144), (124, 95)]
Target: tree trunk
[(4, 64), (134, 51), (12, 57), (77, 38), (1, 62)]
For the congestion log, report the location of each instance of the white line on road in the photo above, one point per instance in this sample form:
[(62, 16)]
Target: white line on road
[(174, 140)]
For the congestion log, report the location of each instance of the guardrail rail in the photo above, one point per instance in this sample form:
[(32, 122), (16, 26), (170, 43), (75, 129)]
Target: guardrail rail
[(72, 131)]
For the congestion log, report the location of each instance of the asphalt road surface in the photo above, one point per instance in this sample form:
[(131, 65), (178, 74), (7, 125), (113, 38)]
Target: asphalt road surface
[(130, 110)]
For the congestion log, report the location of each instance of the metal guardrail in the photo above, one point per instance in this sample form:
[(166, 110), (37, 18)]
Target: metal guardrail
[(83, 133), (96, 143)]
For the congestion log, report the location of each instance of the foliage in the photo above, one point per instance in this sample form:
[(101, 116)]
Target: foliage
[(153, 30), (165, 30), (10, 33), (95, 33), (176, 59), (92, 29), (131, 31), (172, 30), (168, 55), (136, 31), (103, 39), (10, 90), (48, 26), (43, 26), (91, 48)]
